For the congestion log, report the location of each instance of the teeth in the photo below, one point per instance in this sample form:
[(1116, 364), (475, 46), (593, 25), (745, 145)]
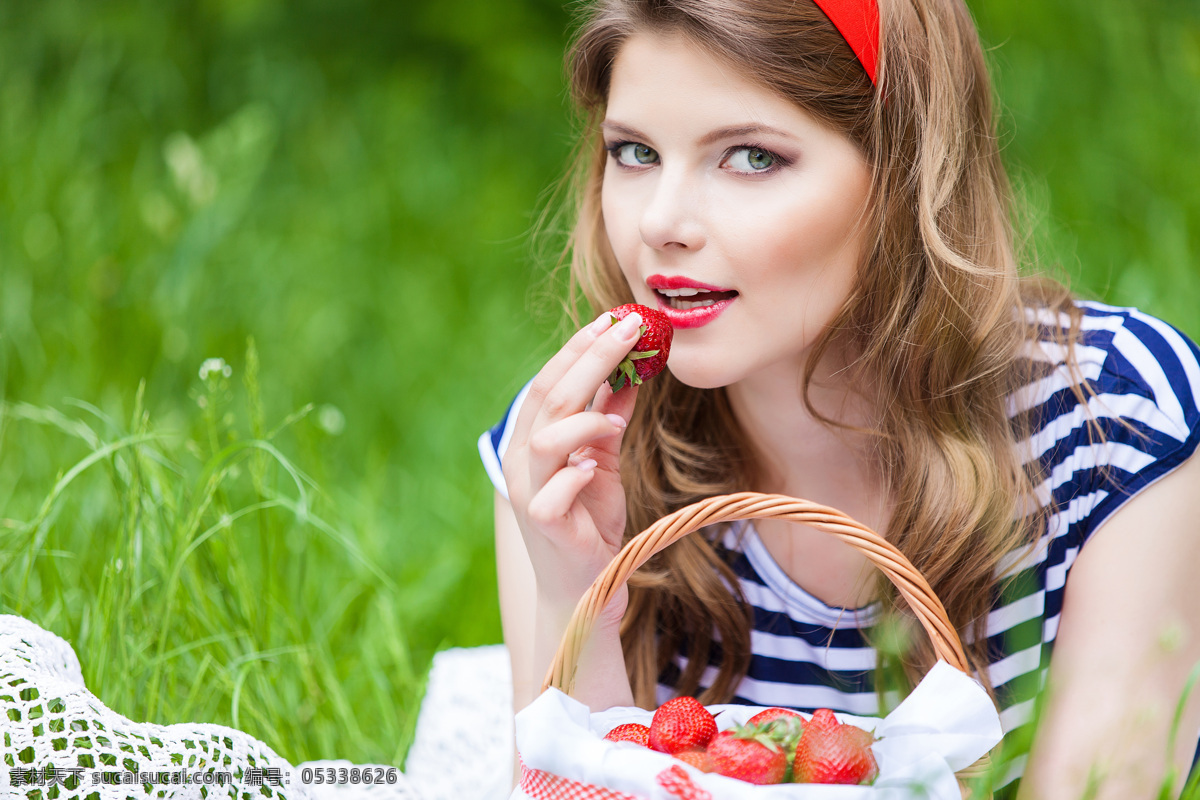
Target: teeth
[(679, 292), (684, 305)]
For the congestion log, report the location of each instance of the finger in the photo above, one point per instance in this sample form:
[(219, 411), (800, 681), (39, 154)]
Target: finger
[(614, 405), (577, 386), (551, 446), (549, 509), (554, 369), (621, 403)]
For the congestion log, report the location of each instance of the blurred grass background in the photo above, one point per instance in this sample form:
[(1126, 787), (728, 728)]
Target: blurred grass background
[(335, 198)]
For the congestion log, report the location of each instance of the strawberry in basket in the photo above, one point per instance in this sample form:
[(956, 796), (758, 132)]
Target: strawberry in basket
[(833, 752), (681, 723), (771, 714), (630, 732), (749, 753), (775, 746)]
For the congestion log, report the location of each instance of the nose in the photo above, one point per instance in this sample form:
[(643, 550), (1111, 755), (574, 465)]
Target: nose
[(672, 217)]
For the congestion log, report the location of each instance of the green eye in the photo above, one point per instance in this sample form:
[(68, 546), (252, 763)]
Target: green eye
[(759, 159), (752, 159), (633, 152), (644, 154)]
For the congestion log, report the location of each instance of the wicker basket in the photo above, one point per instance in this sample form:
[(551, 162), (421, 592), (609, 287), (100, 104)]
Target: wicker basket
[(753, 505)]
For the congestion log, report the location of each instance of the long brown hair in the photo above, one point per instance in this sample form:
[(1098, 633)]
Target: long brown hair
[(937, 319)]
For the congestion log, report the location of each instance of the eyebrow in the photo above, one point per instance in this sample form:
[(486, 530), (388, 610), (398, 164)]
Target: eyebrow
[(709, 138)]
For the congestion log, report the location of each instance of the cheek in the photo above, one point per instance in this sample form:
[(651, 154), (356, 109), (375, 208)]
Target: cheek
[(619, 220), (624, 239), (804, 240)]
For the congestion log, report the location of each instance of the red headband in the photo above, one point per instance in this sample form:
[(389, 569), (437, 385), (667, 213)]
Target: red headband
[(858, 22)]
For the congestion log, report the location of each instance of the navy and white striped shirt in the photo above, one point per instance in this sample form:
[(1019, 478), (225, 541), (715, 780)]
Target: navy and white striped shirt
[(1145, 376)]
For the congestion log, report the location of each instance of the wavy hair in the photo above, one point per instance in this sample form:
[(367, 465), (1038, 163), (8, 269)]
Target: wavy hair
[(938, 319)]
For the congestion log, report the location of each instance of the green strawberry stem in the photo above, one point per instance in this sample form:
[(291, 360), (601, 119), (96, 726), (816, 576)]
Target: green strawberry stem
[(625, 371), (622, 374)]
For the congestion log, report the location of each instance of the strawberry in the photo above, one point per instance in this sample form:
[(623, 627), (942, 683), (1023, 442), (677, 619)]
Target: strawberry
[(679, 724), (784, 728), (822, 720), (781, 725), (677, 782), (649, 354), (862, 737), (763, 717), (841, 754), (696, 758), (630, 732), (748, 754)]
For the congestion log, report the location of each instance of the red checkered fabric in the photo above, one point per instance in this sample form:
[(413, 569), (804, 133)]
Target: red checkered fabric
[(546, 786), (677, 782)]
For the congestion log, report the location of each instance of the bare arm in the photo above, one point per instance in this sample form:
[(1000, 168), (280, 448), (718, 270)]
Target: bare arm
[(1128, 638), (518, 600), (533, 633), (565, 517), (533, 637)]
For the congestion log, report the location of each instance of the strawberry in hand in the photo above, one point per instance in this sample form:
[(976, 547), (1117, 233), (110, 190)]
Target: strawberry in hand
[(649, 354)]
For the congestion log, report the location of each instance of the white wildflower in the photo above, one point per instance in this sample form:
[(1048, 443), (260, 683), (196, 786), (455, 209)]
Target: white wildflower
[(212, 366), (192, 176), (331, 419)]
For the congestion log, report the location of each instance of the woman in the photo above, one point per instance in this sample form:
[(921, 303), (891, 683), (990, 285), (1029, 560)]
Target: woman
[(813, 193)]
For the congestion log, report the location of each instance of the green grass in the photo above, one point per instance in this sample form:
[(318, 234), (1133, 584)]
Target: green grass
[(199, 577), (350, 186)]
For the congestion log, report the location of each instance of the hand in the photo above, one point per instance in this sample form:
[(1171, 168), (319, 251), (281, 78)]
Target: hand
[(562, 466)]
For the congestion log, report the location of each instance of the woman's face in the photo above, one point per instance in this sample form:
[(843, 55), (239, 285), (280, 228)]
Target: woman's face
[(729, 208)]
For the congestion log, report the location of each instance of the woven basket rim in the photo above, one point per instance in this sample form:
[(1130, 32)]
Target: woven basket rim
[(911, 584), (745, 506)]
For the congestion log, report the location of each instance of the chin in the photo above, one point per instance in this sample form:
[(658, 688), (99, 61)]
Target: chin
[(700, 377)]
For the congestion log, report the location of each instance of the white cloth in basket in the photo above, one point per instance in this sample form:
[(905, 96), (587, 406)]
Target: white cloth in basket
[(944, 725)]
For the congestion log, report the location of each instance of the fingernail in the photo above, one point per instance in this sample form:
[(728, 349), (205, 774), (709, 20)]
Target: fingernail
[(628, 327), (587, 465), (601, 323), (616, 419)]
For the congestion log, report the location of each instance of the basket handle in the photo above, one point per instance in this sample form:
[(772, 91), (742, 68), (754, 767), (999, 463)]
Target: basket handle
[(753, 505)]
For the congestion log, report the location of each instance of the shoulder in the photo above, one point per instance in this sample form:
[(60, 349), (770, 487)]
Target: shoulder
[(1124, 351), (1120, 413), (494, 441), (1144, 357)]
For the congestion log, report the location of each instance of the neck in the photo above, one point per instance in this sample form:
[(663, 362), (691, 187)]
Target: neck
[(800, 455)]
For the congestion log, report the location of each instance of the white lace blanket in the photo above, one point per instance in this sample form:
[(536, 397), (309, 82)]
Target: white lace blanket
[(59, 740)]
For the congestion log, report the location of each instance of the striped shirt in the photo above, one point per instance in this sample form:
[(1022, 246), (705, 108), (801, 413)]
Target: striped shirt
[(1145, 376)]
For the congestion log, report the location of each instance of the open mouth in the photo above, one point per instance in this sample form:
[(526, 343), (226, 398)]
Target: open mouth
[(684, 299)]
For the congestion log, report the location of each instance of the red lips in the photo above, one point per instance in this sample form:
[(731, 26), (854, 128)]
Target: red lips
[(690, 317), (680, 282)]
